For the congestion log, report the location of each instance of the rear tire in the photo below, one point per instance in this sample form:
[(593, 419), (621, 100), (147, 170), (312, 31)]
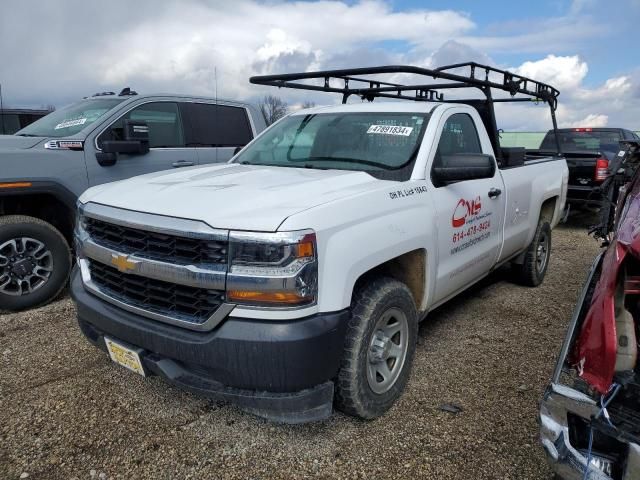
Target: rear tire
[(379, 349), (536, 258), (35, 261)]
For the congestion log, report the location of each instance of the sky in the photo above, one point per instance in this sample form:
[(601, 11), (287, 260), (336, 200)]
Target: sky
[(54, 53)]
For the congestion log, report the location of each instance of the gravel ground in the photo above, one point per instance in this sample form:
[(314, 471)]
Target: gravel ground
[(67, 412)]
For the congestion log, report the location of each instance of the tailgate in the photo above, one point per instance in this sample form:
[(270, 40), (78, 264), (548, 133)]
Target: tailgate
[(582, 167)]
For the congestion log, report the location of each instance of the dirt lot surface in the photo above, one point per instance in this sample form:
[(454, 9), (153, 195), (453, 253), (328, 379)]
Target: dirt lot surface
[(67, 412)]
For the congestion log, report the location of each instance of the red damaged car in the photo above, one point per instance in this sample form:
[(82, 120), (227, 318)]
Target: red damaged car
[(590, 413)]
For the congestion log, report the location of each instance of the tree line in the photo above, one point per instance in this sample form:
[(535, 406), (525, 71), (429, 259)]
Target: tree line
[(273, 108)]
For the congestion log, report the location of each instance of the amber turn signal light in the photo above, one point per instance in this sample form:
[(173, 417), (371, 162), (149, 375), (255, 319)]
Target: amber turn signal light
[(15, 185), (287, 298)]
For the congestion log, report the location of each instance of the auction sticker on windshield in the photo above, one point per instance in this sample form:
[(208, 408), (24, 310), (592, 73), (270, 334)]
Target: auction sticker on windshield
[(390, 130), (124, 356), (71, 123)]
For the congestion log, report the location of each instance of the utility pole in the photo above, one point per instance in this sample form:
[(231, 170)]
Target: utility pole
[(1, 110)]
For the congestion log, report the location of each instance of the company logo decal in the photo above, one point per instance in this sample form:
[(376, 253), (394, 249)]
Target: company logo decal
[(465, 210), (476, 223)]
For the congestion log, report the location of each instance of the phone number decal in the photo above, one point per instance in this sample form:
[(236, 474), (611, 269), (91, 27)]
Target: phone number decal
[(471, 231)]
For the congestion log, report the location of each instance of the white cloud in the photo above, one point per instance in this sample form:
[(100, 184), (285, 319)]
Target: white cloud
[(186, 45), (175, 45), (610, 104), (591, 120), (563, 73), (253, 38)]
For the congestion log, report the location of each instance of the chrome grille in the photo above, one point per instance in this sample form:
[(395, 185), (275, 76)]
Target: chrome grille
[(173, 249), (195, 305)]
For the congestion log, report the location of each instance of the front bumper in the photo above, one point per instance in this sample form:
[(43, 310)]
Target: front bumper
[(281, 370), (563, 458)]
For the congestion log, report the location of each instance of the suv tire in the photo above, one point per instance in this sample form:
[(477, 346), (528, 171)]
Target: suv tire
[(536, 258), (35, 261), (380, 342)]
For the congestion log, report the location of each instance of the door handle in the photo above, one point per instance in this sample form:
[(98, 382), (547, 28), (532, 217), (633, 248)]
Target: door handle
[(495, 193), (183, 163)]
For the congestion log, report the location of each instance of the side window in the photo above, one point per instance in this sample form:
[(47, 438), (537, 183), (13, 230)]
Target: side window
[(9, 123), (459, 135), (213, 125), (163, 118), (233, 127)]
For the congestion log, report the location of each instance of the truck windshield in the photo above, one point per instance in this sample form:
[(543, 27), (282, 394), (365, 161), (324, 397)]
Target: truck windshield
[(71, 119), (590, 140), (382, 144)]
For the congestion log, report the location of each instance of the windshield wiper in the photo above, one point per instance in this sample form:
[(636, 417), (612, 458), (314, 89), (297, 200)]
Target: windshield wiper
[(306, 165), (26, 135), (348, 160)]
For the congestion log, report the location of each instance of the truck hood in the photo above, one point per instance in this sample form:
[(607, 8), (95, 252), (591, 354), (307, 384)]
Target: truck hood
[(13, 142), (232, 196)]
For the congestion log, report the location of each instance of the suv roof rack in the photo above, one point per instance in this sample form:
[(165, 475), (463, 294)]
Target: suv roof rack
[(467, 75), (126, 92)]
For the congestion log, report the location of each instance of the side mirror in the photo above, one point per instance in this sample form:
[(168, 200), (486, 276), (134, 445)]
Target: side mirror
[(237, 150), (463, 166), (136, 142)]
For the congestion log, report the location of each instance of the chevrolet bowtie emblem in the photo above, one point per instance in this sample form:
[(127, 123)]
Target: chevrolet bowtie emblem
[(122, 263)]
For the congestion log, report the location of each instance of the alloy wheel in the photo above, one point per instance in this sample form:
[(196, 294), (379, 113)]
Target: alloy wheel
[(26, 265)]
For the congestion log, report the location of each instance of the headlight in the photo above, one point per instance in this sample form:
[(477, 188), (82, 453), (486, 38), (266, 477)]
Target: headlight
[(273, 269), (79, 232)]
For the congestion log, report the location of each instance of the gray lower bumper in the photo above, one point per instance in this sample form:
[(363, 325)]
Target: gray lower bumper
[(564, 459)]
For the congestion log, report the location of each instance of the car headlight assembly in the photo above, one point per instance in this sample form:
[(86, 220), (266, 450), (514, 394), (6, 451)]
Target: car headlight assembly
[(273, 269), (79, 232)]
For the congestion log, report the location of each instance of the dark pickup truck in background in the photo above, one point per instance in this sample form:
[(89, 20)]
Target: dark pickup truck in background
[(588, 152)]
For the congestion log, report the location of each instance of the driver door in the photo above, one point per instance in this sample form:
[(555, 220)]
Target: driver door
[(470, 218), (166, 142)]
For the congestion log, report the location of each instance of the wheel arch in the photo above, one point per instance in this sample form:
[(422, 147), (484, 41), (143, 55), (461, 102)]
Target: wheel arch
[(46, 201), (409, 268), (549, 209)]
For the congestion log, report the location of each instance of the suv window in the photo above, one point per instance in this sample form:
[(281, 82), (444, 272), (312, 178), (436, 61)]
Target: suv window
[(629, 135), (584, 139), (9, 123), (71, 119), (459, 135), (214, 125), (163, 119)]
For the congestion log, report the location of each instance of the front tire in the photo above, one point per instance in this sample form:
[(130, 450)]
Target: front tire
[(35, 261), (379, 349), (536, 258)]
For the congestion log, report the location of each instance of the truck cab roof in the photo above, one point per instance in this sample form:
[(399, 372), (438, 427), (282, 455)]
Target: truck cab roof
[(76, 119), (389, 106)]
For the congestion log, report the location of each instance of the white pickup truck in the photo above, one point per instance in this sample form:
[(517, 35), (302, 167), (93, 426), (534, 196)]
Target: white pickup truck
[(294, 277)]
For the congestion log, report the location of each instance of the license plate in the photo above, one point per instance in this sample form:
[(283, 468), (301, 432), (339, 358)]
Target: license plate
[(125, 356)]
